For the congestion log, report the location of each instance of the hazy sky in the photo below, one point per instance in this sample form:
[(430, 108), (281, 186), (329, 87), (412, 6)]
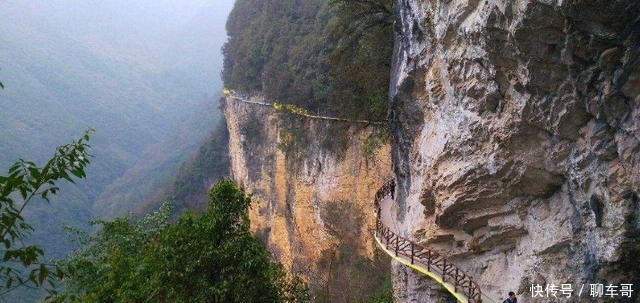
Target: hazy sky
[(133, 70), (151, 33)]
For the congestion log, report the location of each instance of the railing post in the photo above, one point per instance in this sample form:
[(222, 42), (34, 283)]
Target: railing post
[(386, 237), (455, 286), (397, 244), (444, 269), (462, 283), (412, 252)]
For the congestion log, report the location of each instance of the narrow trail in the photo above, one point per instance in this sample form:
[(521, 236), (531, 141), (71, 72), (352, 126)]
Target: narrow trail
[(296, 110), (405, 251), (413, 255)]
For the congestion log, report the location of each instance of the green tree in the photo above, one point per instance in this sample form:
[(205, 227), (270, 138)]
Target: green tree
[(22, 264), (211, 257), (106, 261), (329, 56), (361, 62), (359, 18)]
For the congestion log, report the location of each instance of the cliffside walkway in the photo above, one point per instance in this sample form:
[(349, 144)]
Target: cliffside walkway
[(405, 251), (411, 254), (294, 109)]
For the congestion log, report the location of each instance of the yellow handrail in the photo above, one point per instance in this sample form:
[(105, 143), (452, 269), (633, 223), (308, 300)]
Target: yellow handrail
[(296, 110), (424, 260)]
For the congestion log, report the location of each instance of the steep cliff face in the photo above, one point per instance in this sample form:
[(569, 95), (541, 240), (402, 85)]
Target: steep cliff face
[(516, 128), (303, 198)]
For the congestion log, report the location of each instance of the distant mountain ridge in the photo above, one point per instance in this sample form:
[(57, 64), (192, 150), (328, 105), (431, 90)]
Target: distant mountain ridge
[(65, 69), (67, 66)]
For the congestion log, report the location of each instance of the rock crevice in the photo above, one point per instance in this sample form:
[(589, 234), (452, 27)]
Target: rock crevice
[(516, 130)]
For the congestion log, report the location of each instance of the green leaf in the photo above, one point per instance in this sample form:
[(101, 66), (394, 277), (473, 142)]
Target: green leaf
[(23, 192), (44, 272), (34, 171), (60, 274), (14, 167), (32, 277), (44, 194)]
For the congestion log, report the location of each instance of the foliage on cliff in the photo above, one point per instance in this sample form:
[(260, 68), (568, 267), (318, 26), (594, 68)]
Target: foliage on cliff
[(211, 257), (331, 56)]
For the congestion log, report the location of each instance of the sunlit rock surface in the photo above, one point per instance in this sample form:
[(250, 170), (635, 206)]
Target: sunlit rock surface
[(516, 130), (293, 192)]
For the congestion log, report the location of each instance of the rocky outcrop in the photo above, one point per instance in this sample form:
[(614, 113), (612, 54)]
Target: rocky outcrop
[(295, 190), (516, 129)]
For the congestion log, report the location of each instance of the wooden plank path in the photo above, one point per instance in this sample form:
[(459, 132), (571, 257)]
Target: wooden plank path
[(413, 255)]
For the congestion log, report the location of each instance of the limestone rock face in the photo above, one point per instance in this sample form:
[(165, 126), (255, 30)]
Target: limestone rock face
[(294, 191), (516, 127)]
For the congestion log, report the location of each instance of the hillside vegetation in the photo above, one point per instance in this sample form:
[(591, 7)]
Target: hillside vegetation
[(329, 56), (119, 67), (200, 258), (324, 58)]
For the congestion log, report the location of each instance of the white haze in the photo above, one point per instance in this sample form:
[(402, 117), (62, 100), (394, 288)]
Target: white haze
[(136, 71)]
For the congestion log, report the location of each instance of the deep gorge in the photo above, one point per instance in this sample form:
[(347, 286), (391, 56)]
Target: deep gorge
[(515, 140)]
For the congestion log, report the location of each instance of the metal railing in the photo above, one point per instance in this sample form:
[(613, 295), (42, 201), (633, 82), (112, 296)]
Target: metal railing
[(296, 110), (431, 260)]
